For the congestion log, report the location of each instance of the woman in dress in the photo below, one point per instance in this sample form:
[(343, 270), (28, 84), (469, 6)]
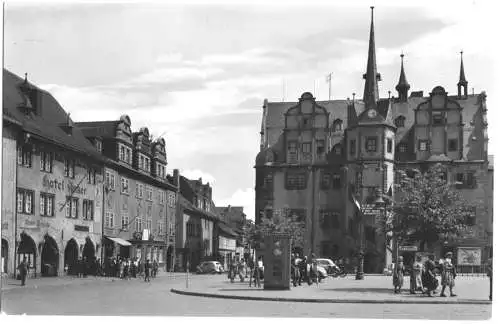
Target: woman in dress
[(429, 281), (398, 276), (448, 275)]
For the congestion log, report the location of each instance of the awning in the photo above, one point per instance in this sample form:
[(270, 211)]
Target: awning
[(120, 241)]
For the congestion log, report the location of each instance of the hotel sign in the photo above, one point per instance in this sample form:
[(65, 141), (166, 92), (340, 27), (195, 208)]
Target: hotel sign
[(62, 185), (28, 223), (81, 228)]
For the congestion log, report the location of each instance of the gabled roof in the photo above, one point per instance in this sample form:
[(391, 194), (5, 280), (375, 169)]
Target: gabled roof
[(104, 129), (47, 122)]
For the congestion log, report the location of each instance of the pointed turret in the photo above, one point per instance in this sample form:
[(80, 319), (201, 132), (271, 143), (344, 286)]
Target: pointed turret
[(462, 82), (370, 95), (403, 86)]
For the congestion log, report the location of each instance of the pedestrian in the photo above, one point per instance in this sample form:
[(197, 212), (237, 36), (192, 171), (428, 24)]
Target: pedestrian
[(259, 271), (155, 268), (398, 276), (429, 280), (416, 276), (147, 270), (303, 270), (251, 266), (448, 275), (23, 271), (489, 270), (296, 270), (232, 269)]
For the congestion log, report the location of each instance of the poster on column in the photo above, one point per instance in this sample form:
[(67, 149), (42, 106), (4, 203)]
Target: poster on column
[(277, 262)]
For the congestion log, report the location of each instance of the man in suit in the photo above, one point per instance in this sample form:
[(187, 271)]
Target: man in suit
[(23, 271)]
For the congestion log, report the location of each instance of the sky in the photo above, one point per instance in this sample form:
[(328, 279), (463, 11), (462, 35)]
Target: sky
[(197, 74)]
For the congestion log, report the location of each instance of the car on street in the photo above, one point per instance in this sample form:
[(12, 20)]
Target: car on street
[(209, 267), (328, 264)]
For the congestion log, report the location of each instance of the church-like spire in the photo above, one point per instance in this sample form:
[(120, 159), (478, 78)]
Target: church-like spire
[(403, 86), (462, 82), (370, 95)]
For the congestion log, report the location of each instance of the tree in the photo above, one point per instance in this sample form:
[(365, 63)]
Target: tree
[(283, 222), (426, 208)]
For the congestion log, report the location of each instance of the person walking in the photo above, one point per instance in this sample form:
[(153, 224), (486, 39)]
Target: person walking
[(147, 271), (155, 268), (398, 276), (303, 270), (241, 268), (259, 271), (23, 271), (251, 267), (448, 275), (429, 280), (416, 276)]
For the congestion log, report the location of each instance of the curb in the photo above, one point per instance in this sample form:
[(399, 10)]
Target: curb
[(331, 301)]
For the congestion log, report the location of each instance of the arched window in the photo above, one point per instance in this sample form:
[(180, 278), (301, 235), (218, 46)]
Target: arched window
[(400, 121), (337, 125)]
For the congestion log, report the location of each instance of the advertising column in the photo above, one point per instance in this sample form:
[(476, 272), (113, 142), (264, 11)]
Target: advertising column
[(277, 262)]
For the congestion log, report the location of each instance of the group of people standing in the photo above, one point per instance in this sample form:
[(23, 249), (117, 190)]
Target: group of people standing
[(242, 269), (303, 269), (423, 277), (125, 268)]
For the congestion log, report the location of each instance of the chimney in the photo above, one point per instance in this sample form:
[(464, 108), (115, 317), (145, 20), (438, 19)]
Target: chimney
[(176, 177)]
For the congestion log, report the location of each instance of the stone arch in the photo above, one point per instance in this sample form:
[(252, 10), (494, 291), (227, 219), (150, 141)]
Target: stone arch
[(71, 257), (49, 257), (88, 251), (26, 250), (5, 256)]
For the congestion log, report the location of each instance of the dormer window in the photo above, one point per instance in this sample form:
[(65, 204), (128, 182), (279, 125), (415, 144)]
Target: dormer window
[(98, 145), (400, 121), (337, 125), (125, 154), (160, 170), (371, 144), (144, 163)]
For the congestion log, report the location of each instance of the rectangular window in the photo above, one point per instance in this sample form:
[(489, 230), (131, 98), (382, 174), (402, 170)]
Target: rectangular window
[(139, 190), (46, 204), (98, 145), (25, 201), (292, 152), (149, 195), (138, 224), (295, 181), (352, 147), (389, 145), (306, 150), (88, 209), (320, 148), (124, 186), (141, 162), (46, 161), (371, 144), (453, 145), (109, 220), (470, 180), (121, 156), (336, 183), (71, 207), (91, 175), (423, 145), (325, 180), (403, 147), (148, 165), (128, 155), (69, 168), (24, 156), (125, 221)]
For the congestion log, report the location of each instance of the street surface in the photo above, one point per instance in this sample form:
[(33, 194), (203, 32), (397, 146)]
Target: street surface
[(135, 297)]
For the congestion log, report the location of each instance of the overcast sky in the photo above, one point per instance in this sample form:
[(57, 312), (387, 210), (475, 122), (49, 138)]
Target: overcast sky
[(198, 74)]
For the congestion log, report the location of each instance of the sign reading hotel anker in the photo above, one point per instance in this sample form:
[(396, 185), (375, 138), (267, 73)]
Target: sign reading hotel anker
[(62, 185)]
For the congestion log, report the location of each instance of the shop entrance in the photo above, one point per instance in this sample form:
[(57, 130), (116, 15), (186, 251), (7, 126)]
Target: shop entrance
[(5, 256), (50, 257), (71, 257), (27, 251)]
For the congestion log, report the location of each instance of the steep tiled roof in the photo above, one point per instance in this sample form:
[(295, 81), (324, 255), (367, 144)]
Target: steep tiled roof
[(104, 129), (46, 123)]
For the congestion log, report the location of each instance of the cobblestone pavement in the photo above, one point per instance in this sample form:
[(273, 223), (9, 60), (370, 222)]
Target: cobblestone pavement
[(135, 297)]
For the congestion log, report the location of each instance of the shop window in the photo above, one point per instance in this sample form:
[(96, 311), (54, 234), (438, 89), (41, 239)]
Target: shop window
[(371, 144), (46, 204), (46, 161), (25, 201), (88, 209)]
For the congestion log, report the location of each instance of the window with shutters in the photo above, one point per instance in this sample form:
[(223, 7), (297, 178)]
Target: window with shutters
[(69, 168), (46, 204), (24, 156), (46, 161), (88, 209), (25, 201), (71, 207)]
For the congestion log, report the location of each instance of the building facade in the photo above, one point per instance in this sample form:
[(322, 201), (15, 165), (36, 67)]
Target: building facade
[(329, 161), (52, 196), (196, 219), (139, 198)]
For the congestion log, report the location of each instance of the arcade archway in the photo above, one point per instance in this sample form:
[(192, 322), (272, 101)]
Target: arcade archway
[(50, 257), (26, 251), (71, 256), (88, 250), (5, 256)]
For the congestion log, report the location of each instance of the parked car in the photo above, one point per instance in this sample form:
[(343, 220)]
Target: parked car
[(329, 265), (209, 267), (323, 273)]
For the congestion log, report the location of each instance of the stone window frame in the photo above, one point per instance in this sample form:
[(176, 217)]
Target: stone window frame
[(47, 204)]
